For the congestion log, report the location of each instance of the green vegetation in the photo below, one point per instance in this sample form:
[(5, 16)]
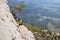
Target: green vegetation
[(33, 28), (18, 6)]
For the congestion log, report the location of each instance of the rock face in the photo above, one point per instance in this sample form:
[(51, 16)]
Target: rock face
[(9, 28), (25, 33), (47, 35)]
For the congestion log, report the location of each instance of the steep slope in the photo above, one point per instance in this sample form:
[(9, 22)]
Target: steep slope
[(26, 34), (8, 27)]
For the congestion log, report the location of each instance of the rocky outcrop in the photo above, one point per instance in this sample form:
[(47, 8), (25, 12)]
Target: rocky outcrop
[(47, 35), (8, 26), (25, 33)]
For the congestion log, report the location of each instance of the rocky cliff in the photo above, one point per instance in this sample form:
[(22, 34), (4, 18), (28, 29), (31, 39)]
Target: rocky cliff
[(47, 35), (8, 26)]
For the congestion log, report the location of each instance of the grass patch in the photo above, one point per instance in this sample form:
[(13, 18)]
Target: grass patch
[(33, 28), (18, 6)]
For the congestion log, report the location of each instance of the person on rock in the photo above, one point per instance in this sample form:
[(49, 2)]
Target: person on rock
[(20, 20)]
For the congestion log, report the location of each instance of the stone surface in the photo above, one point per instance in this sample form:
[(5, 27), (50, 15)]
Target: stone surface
[(8, 26)]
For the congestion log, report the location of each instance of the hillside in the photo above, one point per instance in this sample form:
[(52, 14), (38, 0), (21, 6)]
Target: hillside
[(9, 28)]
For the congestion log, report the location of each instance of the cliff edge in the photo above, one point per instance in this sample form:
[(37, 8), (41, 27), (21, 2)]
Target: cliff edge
[(8, 26)]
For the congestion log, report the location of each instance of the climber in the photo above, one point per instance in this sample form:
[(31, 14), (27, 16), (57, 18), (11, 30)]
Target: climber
[(20, 20)]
